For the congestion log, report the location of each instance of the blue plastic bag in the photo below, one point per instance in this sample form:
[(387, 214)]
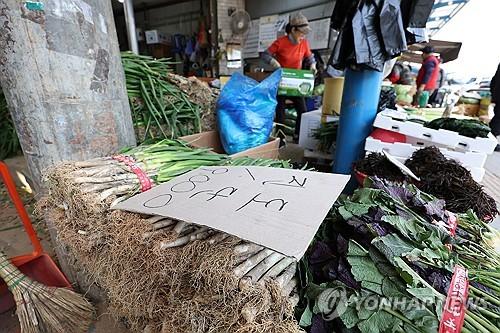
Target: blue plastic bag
[(245, 111)]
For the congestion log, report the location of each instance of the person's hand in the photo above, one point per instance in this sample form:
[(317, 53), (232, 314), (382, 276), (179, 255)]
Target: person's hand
[(314, 69), (421, 88), (275, 64)]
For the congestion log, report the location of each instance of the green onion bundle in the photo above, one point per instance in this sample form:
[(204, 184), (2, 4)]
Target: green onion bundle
[(161, 162), (326, 135), (159, 108)]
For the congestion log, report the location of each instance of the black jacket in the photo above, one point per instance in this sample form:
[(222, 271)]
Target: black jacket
[(370, 33), (495, 86)]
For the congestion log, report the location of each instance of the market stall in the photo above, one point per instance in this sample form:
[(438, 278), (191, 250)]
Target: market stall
[(204, 227)]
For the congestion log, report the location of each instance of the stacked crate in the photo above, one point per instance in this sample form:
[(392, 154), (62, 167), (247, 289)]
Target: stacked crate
[(470, 152)]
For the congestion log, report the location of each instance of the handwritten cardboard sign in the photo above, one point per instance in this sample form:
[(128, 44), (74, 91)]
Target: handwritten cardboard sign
[(278, 208)]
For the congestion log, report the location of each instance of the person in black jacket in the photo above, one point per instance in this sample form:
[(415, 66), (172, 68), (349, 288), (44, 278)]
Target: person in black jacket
[(495, 98)]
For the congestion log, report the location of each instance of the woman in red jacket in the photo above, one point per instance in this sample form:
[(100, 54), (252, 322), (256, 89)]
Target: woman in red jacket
[(291, 51)]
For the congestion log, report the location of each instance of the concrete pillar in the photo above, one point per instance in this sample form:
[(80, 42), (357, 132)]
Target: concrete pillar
[(61, 73)]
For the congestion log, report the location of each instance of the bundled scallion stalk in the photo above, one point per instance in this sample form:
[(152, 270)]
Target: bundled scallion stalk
[(254, 261), (195, 278), (161, 162), (159, 108), (475, 241)]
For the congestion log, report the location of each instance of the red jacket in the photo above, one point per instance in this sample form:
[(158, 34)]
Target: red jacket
[(429, 73)]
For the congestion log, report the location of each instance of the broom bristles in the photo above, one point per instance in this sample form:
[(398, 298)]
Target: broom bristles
[(43, 309)]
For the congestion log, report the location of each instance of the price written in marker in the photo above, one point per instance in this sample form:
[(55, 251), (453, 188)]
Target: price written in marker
[(278, 208)]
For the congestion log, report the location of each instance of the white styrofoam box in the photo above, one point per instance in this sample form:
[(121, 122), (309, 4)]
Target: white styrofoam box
[(415, 130), (442, 137), (476, 173), (486, 145), (309, 122), (470, 159)]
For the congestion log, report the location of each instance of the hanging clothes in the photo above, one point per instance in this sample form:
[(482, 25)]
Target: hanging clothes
[(420, 12), (415, 14), (371, 33), (342, 10), (392, 29)]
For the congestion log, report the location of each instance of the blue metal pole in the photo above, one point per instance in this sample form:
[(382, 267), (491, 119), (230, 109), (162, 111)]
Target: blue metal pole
[(357, 113)]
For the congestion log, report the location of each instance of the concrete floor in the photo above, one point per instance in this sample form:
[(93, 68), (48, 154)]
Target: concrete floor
[(14, 241)]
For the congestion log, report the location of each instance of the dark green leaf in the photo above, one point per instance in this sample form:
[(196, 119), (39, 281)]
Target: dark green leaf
[(306, 318), (378, 322), (428, 324), (390, 289), (409, 228), (350, 317), (372, 286), (392, 246)]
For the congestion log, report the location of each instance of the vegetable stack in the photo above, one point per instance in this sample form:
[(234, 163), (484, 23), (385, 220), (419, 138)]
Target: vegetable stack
[(115, 176), (471, 128), (159, 108), (191, 278), (440, 176), (448, 180), (384, 264), (326, 135)]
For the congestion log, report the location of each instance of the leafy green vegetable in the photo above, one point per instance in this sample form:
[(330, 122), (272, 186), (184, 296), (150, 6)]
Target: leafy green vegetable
[(326, 135), (399, 254), (471, 128)]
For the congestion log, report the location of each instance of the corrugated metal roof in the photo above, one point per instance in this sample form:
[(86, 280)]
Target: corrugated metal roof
[(442, 12)]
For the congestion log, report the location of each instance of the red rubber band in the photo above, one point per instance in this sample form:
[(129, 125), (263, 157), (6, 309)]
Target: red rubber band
[(144, 180)]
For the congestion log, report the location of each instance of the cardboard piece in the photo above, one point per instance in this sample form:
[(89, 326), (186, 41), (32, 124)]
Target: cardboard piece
[(211, 139), (280, 209)]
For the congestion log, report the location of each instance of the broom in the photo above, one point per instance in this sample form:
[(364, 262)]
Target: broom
[(43, 309)]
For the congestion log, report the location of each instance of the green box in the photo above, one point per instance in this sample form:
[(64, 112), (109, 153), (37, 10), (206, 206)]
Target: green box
[(296, 82)]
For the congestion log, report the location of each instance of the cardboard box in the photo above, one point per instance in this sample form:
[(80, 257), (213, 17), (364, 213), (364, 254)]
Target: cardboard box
[(332, 96), (296, 82), (211, 139), (155, 37), (309, 122), (471, 110)]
